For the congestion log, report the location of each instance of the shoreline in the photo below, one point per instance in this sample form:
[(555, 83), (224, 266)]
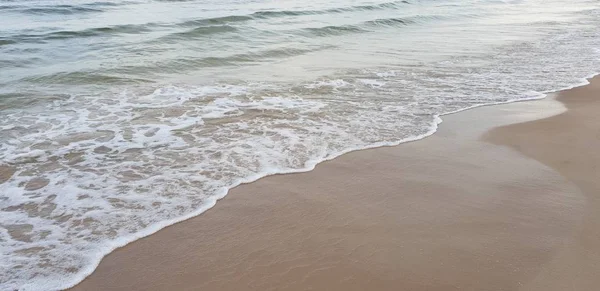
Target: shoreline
[(240, 188)]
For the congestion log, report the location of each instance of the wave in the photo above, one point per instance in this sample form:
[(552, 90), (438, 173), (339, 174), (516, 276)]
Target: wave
[(91, 32), (108, 4), (358, 28), (122, 75), (98, 31), (208, 26), (6, 42), (83, 78), (201, 32), (211, 26), (387, 5), (8, 7), (63, 9), (334, 30), (389, 22), (413, 20), (216, 20), (22, 99), (183, 64), (60, 10), (286, 13)]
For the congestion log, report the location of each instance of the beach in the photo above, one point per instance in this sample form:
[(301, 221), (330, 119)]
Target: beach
[(293, 145), (500, 198)]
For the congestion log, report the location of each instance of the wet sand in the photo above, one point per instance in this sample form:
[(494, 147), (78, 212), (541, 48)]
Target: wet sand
[(570, 144), (500, 198)]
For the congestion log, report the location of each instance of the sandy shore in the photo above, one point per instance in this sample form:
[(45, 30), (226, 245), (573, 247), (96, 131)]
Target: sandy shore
[(501, 198)]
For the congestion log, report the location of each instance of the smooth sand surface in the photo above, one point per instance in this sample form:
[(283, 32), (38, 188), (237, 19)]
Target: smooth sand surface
[(514, 208), (570, 144)]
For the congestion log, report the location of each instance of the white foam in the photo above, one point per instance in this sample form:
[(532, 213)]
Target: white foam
[(336, 83), (386, 74), (37, 155), (372, 83)]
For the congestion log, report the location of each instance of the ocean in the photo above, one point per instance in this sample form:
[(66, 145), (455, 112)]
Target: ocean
[(118, 118)]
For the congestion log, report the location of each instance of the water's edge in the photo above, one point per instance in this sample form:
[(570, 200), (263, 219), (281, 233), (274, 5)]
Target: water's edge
[(310, 165)]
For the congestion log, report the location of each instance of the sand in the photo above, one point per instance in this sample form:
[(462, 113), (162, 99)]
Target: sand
[(500, 198), (568, 143)]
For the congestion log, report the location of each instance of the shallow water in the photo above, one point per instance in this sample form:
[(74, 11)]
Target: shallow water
[(121, 117)]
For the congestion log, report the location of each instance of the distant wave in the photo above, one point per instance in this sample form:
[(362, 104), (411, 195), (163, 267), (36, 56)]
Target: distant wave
[(8, 7), (200, 32), (109, 4), (189, 63), (59, 9), (388, 5), (334, 30), (389, 22), (285, 13), (82, 78), (216, 20), (64, 9), (324, 31), (122, 75), (207, 26), (129, 29), (68, 34), (6, 41), (358, 28), (204, 27)]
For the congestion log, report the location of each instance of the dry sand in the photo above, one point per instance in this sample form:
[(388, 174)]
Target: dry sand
[(514, 208)]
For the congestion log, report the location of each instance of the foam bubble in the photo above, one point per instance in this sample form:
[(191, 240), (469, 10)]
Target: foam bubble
[(372, 83), (386, 74), (336, 83)]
